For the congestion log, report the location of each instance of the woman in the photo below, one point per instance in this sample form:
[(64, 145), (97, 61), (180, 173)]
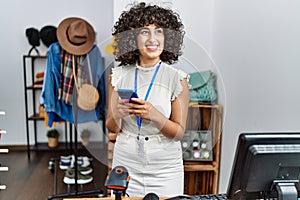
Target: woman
[(148, 38)]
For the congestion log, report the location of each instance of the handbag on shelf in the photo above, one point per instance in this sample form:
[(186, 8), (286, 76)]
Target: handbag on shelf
[(203, 87)]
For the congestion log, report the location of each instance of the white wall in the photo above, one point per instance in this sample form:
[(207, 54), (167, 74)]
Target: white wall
[(253, 45), (256, 45), (15, 17)]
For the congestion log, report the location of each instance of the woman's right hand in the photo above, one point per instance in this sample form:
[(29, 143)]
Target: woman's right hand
[(122, 108)]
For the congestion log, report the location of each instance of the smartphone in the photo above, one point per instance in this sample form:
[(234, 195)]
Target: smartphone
[(127, 94)]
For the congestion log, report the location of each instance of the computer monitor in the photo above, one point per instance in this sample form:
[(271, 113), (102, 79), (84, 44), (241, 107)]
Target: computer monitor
[(266, 165)]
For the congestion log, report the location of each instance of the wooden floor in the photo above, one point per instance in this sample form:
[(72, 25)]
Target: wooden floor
[(31, 179)]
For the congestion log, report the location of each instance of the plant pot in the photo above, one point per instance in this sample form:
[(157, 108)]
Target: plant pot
[(52, 142), (85, 141), (85, 136)]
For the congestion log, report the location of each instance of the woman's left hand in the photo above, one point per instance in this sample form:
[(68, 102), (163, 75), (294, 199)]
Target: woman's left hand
[(140, 108)]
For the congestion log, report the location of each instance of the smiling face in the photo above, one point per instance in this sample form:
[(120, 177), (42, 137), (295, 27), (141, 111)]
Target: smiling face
[(150, 42)]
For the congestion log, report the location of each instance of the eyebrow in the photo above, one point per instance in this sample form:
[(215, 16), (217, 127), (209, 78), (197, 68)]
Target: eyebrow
[(151, 28)]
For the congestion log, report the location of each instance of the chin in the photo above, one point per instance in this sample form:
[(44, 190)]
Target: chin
[(153, 55)]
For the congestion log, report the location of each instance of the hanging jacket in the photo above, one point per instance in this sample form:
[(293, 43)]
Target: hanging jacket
[(57, 110)]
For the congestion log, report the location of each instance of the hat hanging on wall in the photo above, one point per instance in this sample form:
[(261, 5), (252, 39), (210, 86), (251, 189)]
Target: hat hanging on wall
[(76, 35), (48, 35), (33, 38)]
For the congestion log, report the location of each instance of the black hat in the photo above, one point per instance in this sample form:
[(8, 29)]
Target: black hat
[(48, 35), (33, 36)]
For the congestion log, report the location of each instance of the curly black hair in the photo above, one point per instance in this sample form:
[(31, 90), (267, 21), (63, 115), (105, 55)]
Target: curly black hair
[(126, 29)]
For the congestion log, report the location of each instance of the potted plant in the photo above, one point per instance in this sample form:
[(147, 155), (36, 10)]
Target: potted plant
[(52, 135)]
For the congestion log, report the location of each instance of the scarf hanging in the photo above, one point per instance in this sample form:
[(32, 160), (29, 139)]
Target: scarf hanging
[(66, 76)]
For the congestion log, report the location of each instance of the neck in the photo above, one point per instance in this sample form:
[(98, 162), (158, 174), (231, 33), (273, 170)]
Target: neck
[(149, 63)]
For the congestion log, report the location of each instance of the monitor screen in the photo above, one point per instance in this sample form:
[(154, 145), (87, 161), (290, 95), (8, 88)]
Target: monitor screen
[(266, 165)]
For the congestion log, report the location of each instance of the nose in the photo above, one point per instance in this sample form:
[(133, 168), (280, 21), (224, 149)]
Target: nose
[(152, 36)]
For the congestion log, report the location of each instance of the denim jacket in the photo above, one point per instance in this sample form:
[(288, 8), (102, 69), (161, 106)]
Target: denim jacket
[(57, 110)]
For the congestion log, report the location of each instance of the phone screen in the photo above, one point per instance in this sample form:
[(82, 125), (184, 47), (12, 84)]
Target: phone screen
[(127, 94)]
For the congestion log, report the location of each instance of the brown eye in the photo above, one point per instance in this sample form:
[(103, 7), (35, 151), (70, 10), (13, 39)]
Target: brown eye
[(159, 31), (144, 32)]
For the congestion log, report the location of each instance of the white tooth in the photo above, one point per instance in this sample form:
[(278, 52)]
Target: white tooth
[(151, 47)]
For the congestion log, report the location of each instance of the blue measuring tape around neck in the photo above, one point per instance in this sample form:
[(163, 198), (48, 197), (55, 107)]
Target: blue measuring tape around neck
[(139, 120)]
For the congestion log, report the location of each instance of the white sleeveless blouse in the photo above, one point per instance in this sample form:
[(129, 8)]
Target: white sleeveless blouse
[(159, 168), (165, 88)]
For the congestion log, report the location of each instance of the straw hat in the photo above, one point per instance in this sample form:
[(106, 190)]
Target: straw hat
[(76, 35)]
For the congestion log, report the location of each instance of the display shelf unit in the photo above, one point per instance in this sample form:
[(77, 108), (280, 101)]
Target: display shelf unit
[(202, 177), (31, 91), (2, 168), (29, 70)]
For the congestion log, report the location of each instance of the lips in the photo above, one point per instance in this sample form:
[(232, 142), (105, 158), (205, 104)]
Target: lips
[(152, 47)]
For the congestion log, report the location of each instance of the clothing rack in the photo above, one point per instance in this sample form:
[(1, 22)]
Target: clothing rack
[(76, 192)]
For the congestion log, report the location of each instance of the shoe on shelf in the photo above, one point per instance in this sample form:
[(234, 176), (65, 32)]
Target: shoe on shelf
[(63, 165), (82, 161), (85, 158), (82, 170), (81, 179), (67, 161), (66, 158), (71, 157)]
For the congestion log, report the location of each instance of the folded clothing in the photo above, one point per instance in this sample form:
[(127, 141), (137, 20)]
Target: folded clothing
[(40, 75), (39, 78)]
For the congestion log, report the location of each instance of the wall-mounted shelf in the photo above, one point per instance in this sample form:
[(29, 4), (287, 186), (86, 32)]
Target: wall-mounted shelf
[(3, 168)]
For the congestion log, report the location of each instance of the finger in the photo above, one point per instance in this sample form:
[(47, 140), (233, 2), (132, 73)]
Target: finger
[(124, 101), (136, 112), (138, 101), (122, 108), (136, 106)]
